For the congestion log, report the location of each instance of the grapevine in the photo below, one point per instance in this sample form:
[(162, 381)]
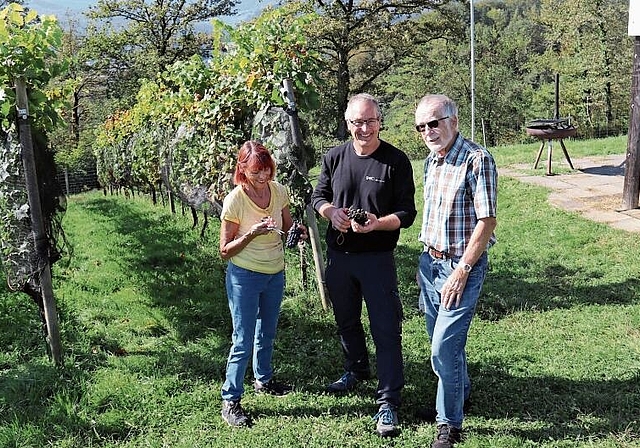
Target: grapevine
[(206, 109)]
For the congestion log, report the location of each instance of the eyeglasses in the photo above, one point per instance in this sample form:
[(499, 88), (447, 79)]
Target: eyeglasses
[(431, 124), (360, 123)]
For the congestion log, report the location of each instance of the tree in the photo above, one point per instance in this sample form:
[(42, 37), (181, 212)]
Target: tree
[(358, 42), (143, 37), (4, 3), (520, 46), (79, 83), (440, 65), (505, 41), (586, 44)]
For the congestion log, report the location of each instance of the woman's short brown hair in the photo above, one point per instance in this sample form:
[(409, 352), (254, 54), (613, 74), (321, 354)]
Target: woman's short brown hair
[(252, 156)]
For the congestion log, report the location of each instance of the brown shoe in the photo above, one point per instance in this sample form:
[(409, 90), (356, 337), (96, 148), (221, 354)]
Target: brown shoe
[(447, 437)]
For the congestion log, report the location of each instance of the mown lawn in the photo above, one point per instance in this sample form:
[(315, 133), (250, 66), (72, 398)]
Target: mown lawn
[(554, 350)]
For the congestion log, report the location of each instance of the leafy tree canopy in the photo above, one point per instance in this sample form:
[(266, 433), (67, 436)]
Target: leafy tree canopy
[(190, 120), (29, 47), (359, 41), (137, 39)]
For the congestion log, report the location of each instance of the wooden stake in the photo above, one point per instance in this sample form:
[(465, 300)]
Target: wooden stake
[(632, 166), (37, 223), (312, 225)]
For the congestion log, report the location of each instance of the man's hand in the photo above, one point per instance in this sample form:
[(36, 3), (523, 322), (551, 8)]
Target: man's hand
[(339, 219), (453, 288), (370, 224)]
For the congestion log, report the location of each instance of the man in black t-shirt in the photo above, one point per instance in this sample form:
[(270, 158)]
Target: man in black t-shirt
[(366, 174)]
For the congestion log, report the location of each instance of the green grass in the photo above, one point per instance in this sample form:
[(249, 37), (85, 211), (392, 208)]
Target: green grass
[(554, 351), (515, 154)]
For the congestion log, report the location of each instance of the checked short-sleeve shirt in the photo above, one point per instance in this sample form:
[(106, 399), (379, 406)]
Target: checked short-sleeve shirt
[(459, 189)]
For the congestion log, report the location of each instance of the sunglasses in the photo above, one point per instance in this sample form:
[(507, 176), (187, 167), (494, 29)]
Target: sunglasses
[(431, 124)]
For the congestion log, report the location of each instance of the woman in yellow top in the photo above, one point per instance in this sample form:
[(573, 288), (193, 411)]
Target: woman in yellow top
[(255, 215)]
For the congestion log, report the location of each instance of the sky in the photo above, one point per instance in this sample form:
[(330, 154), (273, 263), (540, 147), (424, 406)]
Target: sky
[(66, 9)]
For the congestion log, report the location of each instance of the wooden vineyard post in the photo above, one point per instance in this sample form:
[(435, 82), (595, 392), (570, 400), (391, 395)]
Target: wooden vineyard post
[(312, 224), (37, 223), (631, 187)]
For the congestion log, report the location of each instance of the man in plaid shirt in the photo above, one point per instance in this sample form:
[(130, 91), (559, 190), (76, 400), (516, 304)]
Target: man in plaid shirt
[(459, 217)]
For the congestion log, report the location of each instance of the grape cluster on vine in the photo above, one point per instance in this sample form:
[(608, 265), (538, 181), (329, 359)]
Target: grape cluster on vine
[(358, 215), (293, 235)]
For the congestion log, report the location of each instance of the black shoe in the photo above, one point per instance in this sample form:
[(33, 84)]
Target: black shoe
[(346, 383), (447, 436), (233, 414), (386, 421), (430, 414), (271, 387)]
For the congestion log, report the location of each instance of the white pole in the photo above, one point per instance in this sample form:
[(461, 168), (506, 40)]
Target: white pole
[(473, 76)]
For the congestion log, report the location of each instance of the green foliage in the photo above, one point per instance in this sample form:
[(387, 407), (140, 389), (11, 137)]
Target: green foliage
[(519, 47), (151, 35), (28, 52), (587, 44), (29, 45), (83, 87), (359, 41), (190, 121)]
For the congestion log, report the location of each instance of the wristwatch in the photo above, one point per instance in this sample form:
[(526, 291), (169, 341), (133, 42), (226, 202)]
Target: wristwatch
[(466, 267)]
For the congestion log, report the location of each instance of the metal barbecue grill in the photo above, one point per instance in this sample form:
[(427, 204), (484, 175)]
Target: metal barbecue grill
[(548, 130)]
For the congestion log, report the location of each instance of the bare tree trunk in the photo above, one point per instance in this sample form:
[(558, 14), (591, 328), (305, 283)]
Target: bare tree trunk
[(343, 82)]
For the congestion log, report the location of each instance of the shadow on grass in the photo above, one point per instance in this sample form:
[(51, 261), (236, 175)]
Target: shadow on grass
[(558, 408), (186, 281), (568, 409), (179, 275), (561, 288), (187, 284), (505, 292)]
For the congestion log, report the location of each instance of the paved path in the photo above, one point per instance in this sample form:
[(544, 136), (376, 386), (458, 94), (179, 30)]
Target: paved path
[(594, 189)]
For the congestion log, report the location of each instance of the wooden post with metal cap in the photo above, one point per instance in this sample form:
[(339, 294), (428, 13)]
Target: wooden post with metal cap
[(37, 223), (312, 224)]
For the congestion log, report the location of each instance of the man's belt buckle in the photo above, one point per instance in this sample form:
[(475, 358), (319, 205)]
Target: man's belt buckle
[(438, 254)]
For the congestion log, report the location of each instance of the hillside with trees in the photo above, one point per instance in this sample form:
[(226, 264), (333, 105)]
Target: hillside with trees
[(396, 50)]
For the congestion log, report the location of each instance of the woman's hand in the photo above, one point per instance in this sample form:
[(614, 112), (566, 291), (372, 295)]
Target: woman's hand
[(262, 227)]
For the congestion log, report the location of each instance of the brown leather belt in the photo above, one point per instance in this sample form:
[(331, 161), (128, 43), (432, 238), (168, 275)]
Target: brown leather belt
[(437, 254)]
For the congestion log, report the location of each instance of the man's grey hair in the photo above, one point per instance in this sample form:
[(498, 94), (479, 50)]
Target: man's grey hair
[(449, 106), (362, 97)]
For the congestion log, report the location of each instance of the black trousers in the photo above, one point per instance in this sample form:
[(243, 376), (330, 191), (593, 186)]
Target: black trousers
[(350, 277)]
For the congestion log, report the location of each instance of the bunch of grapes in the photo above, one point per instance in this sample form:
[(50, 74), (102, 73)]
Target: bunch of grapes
[(293, 235), (358, 215)]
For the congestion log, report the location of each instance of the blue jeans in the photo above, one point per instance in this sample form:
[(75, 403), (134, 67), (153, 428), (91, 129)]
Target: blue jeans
[(448, 332), (254, 302)]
